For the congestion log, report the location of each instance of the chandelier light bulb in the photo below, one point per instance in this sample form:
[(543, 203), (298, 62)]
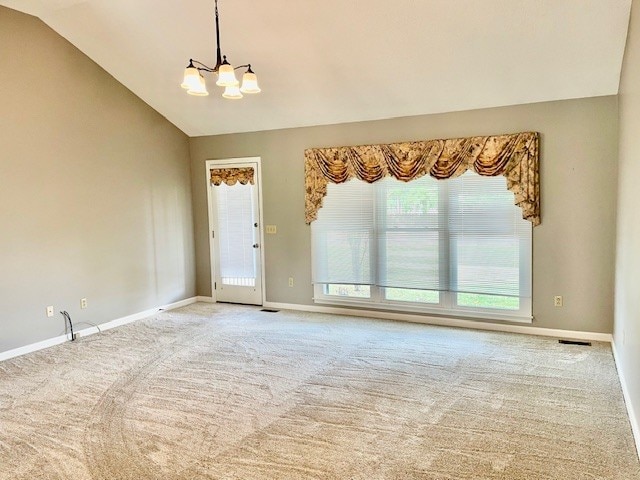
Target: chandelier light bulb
[(226, 75), (191, 77), (200, 90), (249, 82), (232, 92)]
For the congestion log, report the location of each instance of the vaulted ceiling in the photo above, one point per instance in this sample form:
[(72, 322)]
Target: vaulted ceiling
[(332, 61)]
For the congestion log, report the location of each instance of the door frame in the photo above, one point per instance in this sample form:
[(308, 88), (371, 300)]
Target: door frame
[(230, 162)]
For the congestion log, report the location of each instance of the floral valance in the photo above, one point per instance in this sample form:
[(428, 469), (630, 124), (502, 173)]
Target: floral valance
[(514, 156), (231, 176)]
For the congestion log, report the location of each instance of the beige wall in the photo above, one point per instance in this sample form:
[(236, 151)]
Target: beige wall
[(573, 248), (95, 194), (627, 304)]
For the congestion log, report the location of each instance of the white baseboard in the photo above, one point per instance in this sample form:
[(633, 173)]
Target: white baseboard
[(633, 418), (205, 299), (447, 322), (180, 303), (16, 352), (50, 342)]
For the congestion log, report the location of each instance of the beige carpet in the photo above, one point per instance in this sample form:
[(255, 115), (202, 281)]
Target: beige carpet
[(229, 392)]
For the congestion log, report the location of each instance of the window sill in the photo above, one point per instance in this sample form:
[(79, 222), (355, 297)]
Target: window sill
[(493, 315)]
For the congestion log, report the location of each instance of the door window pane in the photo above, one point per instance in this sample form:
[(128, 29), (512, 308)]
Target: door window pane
[(236, 234)]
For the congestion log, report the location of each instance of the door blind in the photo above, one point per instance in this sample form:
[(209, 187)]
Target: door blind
[(236, 234)]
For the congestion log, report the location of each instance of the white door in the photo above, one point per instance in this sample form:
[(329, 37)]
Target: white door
[(234, 218)]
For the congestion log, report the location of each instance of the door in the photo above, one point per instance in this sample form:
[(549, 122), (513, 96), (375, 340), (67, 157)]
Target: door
[(234, 219)]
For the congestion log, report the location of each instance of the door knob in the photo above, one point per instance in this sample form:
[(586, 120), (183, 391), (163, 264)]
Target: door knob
[(255, 245)]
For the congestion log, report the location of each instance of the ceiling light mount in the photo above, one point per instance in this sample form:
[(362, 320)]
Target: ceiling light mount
[(194, 82)]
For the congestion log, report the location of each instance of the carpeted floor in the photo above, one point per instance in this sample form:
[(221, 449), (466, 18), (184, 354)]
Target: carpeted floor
[(229, 392)]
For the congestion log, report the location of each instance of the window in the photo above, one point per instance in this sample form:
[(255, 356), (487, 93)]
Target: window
[(456, 246)]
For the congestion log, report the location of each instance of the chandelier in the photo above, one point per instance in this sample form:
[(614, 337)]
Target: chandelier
[(194, 82)]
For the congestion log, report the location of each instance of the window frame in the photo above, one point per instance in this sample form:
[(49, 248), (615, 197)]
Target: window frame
[(448, 300)]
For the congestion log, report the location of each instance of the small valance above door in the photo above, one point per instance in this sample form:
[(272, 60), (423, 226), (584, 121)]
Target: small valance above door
[(231, 176)]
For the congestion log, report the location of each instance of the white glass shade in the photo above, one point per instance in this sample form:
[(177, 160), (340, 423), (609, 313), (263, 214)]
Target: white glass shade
[(191, 78), (199, 90), (232, 92), (250, 83), (226, 76)]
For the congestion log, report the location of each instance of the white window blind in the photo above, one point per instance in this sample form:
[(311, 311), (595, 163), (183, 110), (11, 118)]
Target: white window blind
[(409, 235), (236, 234), (343, 239), (490, 243), (462, 235)]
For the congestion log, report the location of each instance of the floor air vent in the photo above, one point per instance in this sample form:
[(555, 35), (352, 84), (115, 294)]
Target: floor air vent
[(575, 342), (269, 310)]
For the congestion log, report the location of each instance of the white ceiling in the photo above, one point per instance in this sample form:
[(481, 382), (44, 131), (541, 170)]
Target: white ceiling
[(332, 61)]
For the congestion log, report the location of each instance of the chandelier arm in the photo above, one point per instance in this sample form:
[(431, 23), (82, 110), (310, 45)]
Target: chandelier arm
[(242, 66), (205, 67)]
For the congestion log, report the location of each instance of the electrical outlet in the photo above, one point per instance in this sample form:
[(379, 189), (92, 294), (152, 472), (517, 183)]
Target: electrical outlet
[(50, 311), (557, 301), (83, 303), (271, 229), (291, 281)]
